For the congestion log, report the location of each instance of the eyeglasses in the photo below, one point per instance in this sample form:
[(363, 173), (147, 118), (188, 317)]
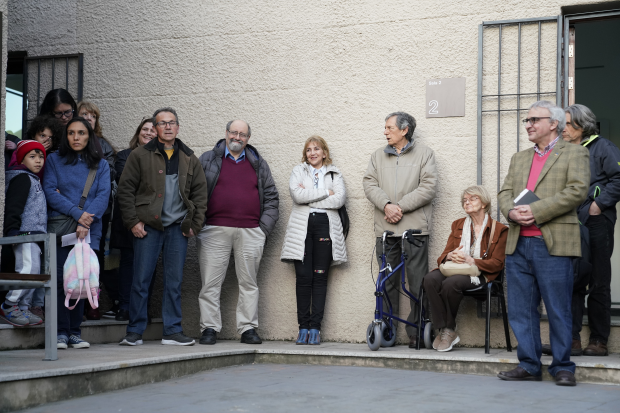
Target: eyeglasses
[(163, 124), (64, 114), (534, 120), (241, 134), (470, 200)]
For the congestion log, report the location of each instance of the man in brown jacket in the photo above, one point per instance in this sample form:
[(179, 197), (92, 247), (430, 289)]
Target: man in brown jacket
[(163, 200), (401, 182), (542, 239)]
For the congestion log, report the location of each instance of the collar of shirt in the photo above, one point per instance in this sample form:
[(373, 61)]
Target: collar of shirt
[(241, 157), (548, 148)]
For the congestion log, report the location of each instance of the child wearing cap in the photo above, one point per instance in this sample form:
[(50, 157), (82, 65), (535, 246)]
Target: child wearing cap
[(25, 213)]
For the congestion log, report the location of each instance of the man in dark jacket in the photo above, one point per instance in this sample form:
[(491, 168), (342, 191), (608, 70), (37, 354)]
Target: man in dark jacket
[(598, 214), (163, 199), (242, 211)]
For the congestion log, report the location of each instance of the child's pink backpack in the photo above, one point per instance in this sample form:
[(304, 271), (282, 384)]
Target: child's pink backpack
[(81, 275)]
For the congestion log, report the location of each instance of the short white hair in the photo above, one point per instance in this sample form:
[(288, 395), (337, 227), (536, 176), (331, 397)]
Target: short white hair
[(556, 113)]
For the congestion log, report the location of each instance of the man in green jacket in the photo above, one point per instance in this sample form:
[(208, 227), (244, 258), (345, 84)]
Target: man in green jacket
[(401, 182), (543, 238), (163, 200)]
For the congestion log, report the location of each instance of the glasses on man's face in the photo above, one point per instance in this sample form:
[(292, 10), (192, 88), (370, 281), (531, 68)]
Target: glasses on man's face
[(64, 114), (470, 200), (235, 133), (163, 124), (534, 120)]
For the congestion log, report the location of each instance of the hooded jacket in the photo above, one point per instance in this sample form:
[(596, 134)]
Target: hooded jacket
[(211, 162)]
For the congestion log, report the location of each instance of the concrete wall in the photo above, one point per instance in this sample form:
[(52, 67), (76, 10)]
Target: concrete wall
[(330, 68)]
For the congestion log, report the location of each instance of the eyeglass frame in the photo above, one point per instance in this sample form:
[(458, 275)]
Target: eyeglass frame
[(237, 133), (65, 113), (534, 120), (163, 124), (470, 199)]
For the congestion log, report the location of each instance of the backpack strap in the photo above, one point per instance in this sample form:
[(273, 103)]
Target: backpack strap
[(89, 183), (68, 296)]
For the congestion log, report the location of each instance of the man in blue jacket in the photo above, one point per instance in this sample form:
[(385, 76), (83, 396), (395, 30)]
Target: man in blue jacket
[(598, 214)]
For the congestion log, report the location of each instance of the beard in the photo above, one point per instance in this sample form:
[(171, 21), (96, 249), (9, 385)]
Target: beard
[(235, 146)]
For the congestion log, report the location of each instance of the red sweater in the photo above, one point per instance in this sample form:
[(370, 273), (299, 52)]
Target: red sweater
[(538, 164), (235, 201)]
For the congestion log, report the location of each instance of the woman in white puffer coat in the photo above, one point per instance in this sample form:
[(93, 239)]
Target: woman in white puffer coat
[(314, 239)]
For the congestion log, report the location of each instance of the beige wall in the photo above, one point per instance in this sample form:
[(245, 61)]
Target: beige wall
[(293, 70)]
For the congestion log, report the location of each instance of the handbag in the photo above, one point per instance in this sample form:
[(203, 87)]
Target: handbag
[(344, 217), (450, 268), (62, 224)]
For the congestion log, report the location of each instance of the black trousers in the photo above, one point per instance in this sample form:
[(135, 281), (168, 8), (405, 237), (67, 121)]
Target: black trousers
[(312, 272), (69, 321), (599, 300)]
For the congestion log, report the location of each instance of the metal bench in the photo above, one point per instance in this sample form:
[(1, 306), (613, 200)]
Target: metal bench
[(47, 280)]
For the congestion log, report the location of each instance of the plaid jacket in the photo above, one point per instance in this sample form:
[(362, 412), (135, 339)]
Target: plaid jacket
[(562, 186)]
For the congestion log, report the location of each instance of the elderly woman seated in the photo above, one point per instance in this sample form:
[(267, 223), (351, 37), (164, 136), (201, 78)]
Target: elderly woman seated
[(468, 243)]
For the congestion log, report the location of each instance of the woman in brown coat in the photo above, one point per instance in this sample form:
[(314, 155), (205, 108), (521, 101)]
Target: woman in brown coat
[(467, 243)]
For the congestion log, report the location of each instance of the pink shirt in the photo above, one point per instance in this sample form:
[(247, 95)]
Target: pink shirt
[(537, 166)]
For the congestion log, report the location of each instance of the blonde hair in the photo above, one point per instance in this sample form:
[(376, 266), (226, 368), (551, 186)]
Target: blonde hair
[(322, 144), (482, 193)]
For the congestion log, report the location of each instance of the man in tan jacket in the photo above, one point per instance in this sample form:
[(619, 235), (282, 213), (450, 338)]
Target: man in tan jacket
[(401, 182), (542, 239)]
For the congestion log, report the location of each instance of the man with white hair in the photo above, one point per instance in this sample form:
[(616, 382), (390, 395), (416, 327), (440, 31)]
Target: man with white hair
[(542, 239)]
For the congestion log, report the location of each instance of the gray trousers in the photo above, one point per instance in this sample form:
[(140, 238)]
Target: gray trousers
[(416, 267), (27, 261)]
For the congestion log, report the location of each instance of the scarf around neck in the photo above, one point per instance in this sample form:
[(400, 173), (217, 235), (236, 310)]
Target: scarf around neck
[(466, 237)]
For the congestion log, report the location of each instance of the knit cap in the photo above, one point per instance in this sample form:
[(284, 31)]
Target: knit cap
[(26, 146)]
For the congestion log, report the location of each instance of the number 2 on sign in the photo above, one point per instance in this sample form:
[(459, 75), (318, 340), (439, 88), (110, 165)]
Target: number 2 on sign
[(433, 110)]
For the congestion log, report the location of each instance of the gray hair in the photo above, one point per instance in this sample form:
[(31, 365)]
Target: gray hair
[(581, 117), (404, 120), (247, 124), (166, 109), (555, 113), (482, 193)]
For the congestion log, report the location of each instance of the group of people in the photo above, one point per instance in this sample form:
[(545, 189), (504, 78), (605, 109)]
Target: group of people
[(158, 194)]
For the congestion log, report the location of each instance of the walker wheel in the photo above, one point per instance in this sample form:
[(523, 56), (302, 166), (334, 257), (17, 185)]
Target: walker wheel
[(386, 331), (429, 335), (373, 336)]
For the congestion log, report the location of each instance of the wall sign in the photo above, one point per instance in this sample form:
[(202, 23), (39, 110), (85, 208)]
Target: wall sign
[(445, 97)]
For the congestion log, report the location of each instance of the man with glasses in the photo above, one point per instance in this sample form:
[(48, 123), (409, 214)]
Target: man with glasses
[(242, 212), (163, 199), (543, 238)]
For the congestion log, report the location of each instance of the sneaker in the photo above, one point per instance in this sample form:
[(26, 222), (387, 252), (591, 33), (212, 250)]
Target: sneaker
[(111, 313), (209, 336), (437, 339), (38, 311), (178, 339), (33, 319), (448, 339), (14, 316), (61, 343), (77, 342), (132, 339), (251, 337)]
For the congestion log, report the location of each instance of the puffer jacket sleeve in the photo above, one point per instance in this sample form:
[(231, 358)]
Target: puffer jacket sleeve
[(108, 155), (271, 200), (301, 195), (333, 201)]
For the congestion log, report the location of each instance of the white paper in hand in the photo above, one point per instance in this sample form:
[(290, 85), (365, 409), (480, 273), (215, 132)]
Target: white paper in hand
[(72, 239)]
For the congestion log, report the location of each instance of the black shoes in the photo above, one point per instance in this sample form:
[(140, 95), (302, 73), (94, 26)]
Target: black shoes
[(518, 374), (251, 337), (209, 336), (177, 339), (565, 378), (122, 315), (132, 339)]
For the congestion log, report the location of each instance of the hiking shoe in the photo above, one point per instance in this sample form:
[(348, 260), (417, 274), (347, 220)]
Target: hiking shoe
[(178, 339), (437, 339), (250, 337), (448, 339), (111, 313), (209, 336), (596, 348), (61, 343), (38, 311), (77, 342), (132, 339), (34, 320), (14, 316)]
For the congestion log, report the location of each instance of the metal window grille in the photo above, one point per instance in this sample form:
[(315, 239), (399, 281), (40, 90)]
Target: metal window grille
[(518, 83), (44, 73)]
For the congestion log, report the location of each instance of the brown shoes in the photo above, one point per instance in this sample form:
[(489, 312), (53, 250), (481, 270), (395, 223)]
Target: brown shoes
[(596, 348), (565, 378), (518, 374), (575, 348)]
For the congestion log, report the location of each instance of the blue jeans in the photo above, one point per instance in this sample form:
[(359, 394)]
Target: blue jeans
[(146, 251), (531, 273)]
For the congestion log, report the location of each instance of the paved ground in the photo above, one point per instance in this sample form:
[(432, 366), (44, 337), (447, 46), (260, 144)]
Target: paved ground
[(289, 388)]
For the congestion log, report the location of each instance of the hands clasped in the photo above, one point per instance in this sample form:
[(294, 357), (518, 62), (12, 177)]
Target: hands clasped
[(522, 215)]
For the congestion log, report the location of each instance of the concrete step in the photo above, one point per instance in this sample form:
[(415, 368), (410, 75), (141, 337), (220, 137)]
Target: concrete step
[(94, 331), (108, 367)]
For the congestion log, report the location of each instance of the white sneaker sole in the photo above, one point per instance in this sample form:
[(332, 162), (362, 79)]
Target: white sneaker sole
[(176, 343), (61, 346), (81, 345), (456, 340), (129, 343)]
